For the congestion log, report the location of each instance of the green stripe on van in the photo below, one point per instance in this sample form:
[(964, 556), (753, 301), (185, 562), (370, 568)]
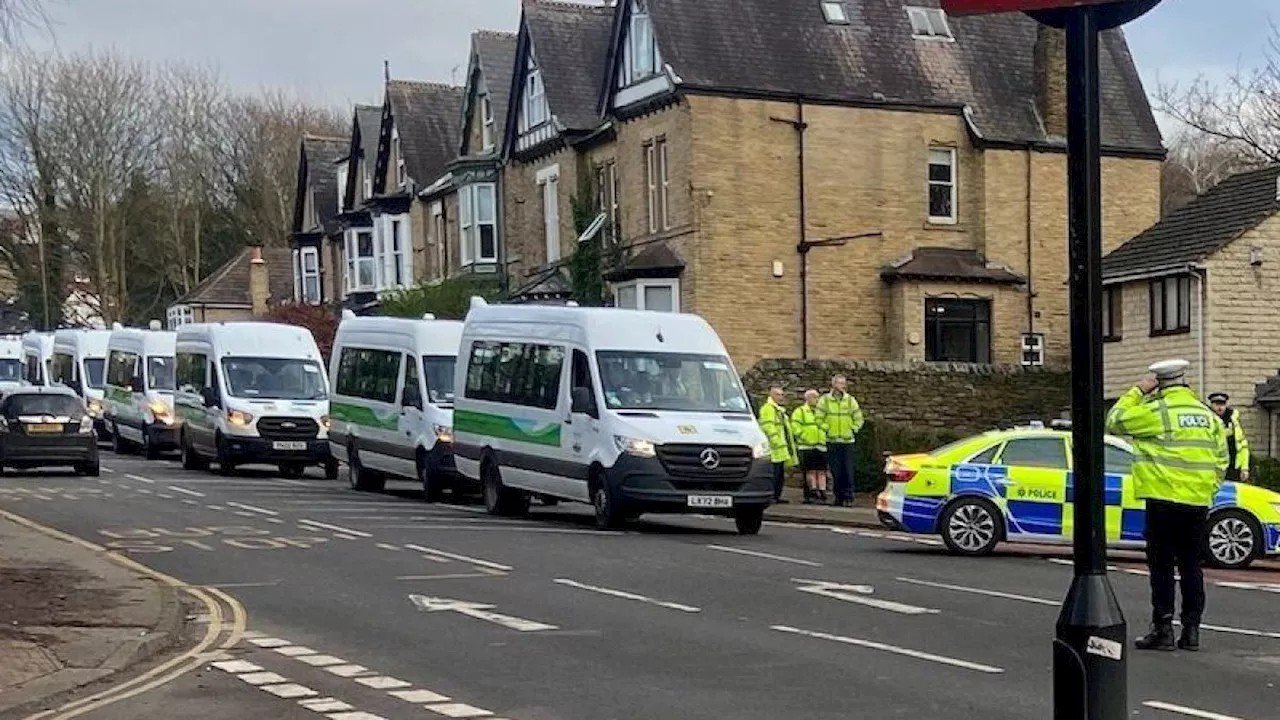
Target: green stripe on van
[(361, 415), (118, 394), (506, 428)]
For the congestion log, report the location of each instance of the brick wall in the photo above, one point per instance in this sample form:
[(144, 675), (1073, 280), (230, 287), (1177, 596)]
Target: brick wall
[(523, 228), (956, 397), (1127, 359)]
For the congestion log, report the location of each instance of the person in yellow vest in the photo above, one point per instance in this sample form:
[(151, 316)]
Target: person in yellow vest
[(777, 428), (1237, 443), (1180, 458), (841, 419), (811, 446)]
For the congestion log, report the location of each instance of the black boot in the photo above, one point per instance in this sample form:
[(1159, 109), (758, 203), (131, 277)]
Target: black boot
[(1190, 639), (1160, 637)]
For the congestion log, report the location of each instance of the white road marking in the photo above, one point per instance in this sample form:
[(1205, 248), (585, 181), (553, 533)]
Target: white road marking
[(340, 536), (295, 650), (289, 691), (190, 502), (142, 491), (907, 652), (335, 528), (458, 710), (464, 508), (185, 491), (1189, 712), (237, 666), (269, 642), (275, 520), (419, 696), (242, 513), (765, 555), (450, 576), (504, 527), (980, 591), (858, 594), (479, 611), (219, 508), (348, 671), (321, 660), (262, 678), (462, 558), (324, 705), (1264, 587), (253, 508), (383, 682), (385, 546), (108, 470), (297, 483), (139, 478), (357, 715), (164, 495), (247, 634), (628, 596), (1237, 631)]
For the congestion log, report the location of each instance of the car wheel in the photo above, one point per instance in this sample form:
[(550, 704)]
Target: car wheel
[(119, 445), (971, 526), (1233, 539), (90, 469), (609, 515), (498, 498), (191, 459), (226, 466), (292, 471), (432, 488), (149, 450), (749, 520), (361, 479)]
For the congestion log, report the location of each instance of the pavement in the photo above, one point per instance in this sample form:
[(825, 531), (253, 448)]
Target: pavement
[(365, 606), (862, 514)]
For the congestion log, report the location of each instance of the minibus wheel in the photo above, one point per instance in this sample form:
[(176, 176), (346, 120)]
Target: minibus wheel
[(119, 445), (498, 498), (361, 479), (749, 520), (432, 489), (292, 471)]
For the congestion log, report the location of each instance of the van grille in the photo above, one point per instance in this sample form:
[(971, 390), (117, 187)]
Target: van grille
[(686, 461), (288, 428)]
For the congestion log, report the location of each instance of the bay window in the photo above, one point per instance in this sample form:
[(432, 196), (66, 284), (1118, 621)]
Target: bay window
[(478, 223), (310, 275), (360, 261), (652, 295)]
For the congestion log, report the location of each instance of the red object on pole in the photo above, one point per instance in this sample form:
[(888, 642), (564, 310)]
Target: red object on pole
[(982, 7)]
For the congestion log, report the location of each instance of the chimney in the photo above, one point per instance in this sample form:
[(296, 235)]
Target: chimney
[(259, 286), (1051, 79)]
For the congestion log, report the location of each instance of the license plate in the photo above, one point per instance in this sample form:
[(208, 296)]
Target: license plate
[(710, 501), (45, 428), (288, 445)]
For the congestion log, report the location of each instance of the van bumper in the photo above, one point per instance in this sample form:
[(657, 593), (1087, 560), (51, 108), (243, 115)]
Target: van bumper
[(163, 437), (256, 450), (644, 485)]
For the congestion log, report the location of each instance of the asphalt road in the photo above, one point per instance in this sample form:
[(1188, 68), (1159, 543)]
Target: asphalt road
[(365, 606)]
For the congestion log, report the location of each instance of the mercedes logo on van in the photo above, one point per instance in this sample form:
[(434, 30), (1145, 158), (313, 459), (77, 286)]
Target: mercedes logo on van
[(709, 458)]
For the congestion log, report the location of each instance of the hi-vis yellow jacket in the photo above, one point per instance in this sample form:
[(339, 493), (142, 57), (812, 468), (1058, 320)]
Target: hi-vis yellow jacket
[(807, 430), (841, 417), (773, 420), (1180, 445)]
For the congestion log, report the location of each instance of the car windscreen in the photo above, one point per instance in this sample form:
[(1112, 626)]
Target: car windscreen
[(679, 382), (160, 372), (33, 404), (10, 370), (274, 378), (439, 372), (93, 368)]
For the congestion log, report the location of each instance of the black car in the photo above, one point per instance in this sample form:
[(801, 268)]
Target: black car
[(46, 426)]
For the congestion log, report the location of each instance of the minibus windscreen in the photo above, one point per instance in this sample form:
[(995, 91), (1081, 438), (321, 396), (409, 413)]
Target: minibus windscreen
[(676, 382), (93, 371), (274, 378), (160, 372), (438, 369), (10, 370)]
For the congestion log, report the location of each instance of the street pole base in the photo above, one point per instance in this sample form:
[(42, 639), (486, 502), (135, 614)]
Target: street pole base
[(1090, 654)]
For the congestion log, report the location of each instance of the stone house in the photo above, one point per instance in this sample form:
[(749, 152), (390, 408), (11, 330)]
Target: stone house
[(819, 178), (1200, 285), (350, 248), (315, 212), (249, 284), (464, 215)]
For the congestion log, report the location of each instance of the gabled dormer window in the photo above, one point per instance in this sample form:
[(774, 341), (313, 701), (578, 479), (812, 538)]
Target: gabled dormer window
[(641, 58), (535, 111), (929, 24), (834, 12)]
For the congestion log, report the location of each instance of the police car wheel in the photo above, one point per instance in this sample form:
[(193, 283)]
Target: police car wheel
[(971, 527), (1232, 539)]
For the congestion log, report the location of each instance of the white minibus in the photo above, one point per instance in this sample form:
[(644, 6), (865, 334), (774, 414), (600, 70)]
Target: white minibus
[(252, 392), (139, 390), (631, 411), (79, 362), (11, 368), (37, 357), (392, 403)]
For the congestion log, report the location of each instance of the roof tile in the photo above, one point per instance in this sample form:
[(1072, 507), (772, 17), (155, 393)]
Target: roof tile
[(428, 118)]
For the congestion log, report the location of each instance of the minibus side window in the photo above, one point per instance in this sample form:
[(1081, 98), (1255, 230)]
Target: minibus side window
[(582, 382), (411, 396)]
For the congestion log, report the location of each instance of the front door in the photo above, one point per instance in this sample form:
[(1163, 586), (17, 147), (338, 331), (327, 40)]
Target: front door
[(412, 423), (583, 431), (1036, 490)]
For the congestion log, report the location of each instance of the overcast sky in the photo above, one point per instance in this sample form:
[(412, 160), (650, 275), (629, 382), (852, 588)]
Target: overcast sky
[(332, 50)]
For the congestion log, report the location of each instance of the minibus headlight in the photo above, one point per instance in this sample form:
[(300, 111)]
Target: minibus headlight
[(239, 417), (444, 433), (95, 407), (324, 422), (635, 446), (759, 450), (161, 411), (86, 425)]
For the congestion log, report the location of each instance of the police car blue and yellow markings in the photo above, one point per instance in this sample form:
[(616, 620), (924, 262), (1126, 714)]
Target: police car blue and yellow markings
[(1040, 501)]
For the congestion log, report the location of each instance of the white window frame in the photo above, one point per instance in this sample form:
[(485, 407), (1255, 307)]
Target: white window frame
[(535, 110), (368, 179), (344, 170), (664, 179), (641, 285), (641, 43), (607, 180), (549, 187), (657, 184), (438, 270), (929, 24), (178, 315), (486, 121), (296, 259), (954, 184), (402, 178), (304, 275), (835, 12), (395, 230), (355, 261)]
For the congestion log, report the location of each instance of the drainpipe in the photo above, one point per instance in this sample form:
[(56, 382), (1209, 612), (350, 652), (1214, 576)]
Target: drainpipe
[(802, 247), (1031, 275), (1201, 274), (500, 216)]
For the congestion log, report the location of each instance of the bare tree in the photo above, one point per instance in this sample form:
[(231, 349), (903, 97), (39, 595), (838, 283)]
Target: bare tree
[(1196, 162), (18, 16)]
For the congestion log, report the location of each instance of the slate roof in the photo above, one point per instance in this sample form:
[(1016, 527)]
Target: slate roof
[(426, 116), (320, 155), (496, 54), (547, 286), (934, 263), (653, 261), (1201, 227), (364, 128), (786, 48), (571, 46), (229, 284)]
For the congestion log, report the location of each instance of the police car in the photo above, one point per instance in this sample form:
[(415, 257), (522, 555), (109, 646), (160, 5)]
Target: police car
[(1016, 485)]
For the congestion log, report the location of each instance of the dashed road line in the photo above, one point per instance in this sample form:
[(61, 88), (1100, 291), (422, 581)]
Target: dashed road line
[(765, 555), (1188, 711), (347, 671), (164, 495), (325, 705), (185, 491), (419, 697), (139, 478), (894, 649), (458, 710), (254, 508), (190, 502), (383, 682), (294, 650), (269, 642), (628, 596), (980, 591), (460, 558), (385, 546), (335, 528), (219, 508), (108, 470)]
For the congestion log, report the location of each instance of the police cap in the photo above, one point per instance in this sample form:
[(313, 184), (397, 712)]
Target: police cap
[(1218, 397), (1169, 369)]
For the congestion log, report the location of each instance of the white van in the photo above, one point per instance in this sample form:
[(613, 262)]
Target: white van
[(11, 367), (79, 362), (392, 401), (631, 411), (139, 390), (37, 358), (252, 392)]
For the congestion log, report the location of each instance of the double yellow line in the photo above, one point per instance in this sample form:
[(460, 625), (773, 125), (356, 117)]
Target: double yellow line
[(220, 634)]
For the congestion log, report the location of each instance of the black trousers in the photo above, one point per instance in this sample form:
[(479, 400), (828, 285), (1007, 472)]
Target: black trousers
[(1173, 536), (840, 462), (779, 479)]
